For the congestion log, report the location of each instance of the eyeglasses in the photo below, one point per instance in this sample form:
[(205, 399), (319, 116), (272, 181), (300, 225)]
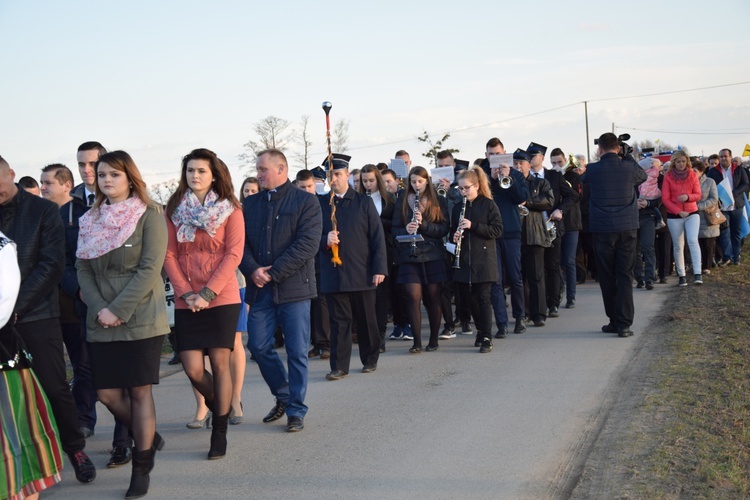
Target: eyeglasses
[(466, 188)]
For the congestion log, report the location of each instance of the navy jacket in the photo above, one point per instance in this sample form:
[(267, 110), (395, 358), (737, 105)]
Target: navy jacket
[(283, 233), (362, 248), (507, 200), (612, 205), (70, 213)]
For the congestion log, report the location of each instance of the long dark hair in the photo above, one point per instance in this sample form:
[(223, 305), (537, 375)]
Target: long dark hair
[(429, 198), (222, 184), (384, 193), (249, 180)]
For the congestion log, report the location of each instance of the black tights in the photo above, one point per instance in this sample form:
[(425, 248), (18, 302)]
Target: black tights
[(134, 407), (215, 387), (431, 298)]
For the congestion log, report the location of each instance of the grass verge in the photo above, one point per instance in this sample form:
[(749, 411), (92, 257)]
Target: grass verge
[(689, 436)]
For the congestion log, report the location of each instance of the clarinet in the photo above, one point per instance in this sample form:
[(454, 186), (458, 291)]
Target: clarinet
[(413, 249), (456, 262)]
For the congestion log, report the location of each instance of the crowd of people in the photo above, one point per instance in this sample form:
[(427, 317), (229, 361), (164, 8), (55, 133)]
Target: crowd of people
[(314, 264)]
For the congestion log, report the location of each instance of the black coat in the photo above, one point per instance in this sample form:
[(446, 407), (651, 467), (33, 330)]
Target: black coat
[(34, 224), (541, 199), (565, 196), (572, 217), (361, 248), (287, 228), (478, 259), (70, 213), (432, 247)]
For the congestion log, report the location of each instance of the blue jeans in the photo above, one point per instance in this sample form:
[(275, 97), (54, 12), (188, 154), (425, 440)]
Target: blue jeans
[(729, 238), (568, 262), (294, 319), (508, 253)]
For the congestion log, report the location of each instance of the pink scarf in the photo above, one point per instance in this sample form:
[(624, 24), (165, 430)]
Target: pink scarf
[(108, 227), (190, 215)]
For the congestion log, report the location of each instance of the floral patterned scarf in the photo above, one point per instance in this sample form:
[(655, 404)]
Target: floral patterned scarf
[(108, 227), (191, 215)]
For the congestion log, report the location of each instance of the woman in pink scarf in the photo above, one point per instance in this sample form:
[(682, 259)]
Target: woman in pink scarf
[(121, 246)]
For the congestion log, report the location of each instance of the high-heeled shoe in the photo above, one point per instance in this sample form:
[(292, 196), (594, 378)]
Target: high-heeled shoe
[(237, 419), (199, 424), (219, 438)]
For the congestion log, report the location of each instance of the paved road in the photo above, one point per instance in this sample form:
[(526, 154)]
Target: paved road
[(447, 424)]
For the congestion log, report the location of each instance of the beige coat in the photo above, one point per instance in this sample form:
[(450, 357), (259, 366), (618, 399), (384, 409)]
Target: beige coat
[(128, 281)]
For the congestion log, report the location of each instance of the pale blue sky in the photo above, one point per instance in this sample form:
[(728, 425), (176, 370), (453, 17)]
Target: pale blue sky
[(161, 78)]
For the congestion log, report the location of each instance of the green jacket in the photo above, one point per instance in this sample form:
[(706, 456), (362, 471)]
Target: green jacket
[(128, 281)]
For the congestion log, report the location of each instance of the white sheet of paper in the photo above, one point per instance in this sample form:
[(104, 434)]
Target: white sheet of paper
[(497, 160), (399, 166), (442, 173)]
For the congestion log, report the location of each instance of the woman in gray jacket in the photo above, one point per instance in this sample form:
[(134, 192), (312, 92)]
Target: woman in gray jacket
[(121, 248), (709, 199)]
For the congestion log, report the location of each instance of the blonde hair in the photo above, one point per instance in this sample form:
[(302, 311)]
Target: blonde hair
[(477, 176)]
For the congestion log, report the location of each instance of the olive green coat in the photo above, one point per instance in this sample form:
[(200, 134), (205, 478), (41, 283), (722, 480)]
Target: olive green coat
[(128, 281)]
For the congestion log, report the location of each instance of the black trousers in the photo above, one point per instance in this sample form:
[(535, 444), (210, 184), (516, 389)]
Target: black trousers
[(615, 259), (346, 309), (43, 339), (552, 272), (446, 303), (532, 264), (320, 333), (479, 296), (663, 252), (398, 299)]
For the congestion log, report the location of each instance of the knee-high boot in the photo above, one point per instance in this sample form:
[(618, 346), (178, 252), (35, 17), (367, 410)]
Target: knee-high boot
[(143, 464), (219, 438)]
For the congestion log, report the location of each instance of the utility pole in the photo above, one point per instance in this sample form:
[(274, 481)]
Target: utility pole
[(588, 148)]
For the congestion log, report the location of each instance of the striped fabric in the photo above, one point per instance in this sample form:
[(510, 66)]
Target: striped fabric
[(31, 454)]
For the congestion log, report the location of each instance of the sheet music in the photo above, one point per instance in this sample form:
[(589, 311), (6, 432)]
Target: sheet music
[(497, 160), (399, 166), (442, 173)]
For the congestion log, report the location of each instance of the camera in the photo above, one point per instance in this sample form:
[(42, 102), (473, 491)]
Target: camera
[(625, 149)]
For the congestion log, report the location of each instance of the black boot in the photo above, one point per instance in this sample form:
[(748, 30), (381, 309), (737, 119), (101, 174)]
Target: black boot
[(143, 464), (218, 438)]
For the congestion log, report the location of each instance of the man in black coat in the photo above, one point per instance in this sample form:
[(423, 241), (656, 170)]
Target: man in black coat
[(565, 198), (282, 235), (350, 286), (34, 224), (613, 220)]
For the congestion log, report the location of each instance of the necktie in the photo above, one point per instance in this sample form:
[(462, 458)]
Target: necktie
[(92, 198), (537, 175), (269, 194)]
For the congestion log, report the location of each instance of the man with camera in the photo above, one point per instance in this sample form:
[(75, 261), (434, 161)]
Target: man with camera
[(613, 220)]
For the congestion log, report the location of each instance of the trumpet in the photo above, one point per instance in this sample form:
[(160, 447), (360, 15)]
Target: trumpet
[(523, 210), (506, 181), (413, 249), (456, 261), (551, 229), (441, 192)]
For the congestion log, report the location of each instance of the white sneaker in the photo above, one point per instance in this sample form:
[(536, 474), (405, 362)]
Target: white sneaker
[(448, 333)]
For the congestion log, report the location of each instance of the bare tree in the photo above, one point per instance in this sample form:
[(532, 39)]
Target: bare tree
[(271, 132), (435, 146), (304, 140), (340, 138), (162, 191)]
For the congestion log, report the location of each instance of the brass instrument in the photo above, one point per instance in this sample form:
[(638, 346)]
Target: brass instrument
[(523, 210), (456, 261), (506, 181), (551, 229), (413, 250), (572, 164), (441, 192)]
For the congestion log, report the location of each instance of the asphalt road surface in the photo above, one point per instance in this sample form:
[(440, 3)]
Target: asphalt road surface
[(447, 424)]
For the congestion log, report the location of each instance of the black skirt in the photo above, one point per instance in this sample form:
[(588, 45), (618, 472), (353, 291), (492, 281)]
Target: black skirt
[(425, 273), (212, 327), (131, 363)]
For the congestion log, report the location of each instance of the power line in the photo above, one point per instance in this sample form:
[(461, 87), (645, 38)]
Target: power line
[(669, 92), (686, 132)]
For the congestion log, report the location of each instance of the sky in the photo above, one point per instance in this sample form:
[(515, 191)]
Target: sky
[(160, 78)]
